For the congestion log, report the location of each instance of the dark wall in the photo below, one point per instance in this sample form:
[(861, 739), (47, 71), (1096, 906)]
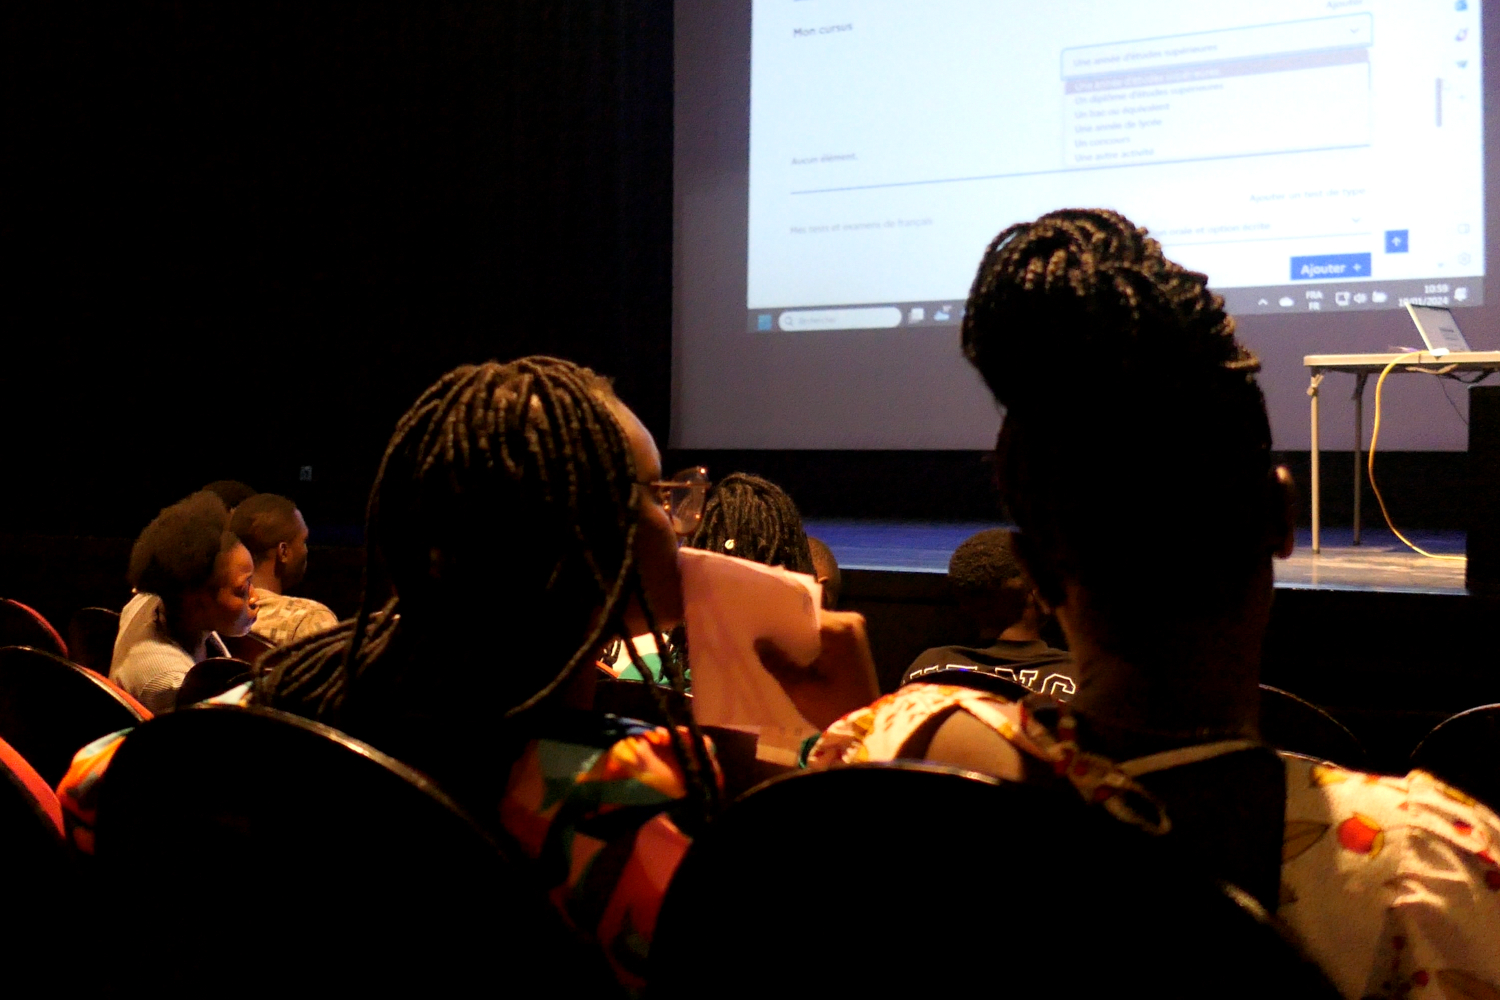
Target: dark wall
[(239, 239)]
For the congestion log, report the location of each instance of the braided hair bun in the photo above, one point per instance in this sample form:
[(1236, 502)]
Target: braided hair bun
[(1095, 288), (1131, 409)]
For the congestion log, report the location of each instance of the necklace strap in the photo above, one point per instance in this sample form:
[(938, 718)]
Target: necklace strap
[(1184, 755)]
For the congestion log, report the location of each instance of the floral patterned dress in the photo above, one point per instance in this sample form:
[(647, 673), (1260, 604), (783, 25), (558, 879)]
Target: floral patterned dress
[(1391, 883)]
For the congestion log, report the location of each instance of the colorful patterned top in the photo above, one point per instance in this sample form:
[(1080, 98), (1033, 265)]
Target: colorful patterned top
[(594, 810), (597, 816), (1392, 884)]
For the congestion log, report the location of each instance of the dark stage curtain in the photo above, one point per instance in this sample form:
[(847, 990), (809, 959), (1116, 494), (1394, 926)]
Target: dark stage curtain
[(239, 239)]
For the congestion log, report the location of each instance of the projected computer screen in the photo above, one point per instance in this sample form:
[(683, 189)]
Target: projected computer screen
[(841, 165), (1307, 156)]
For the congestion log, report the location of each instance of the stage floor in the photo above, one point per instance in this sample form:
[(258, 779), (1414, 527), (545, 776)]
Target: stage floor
[(1381, 563)]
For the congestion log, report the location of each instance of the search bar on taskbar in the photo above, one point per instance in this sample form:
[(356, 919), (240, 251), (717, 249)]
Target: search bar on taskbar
[(866, 318)]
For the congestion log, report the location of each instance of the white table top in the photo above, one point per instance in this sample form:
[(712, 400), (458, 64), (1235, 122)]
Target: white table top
[(1459, 360)]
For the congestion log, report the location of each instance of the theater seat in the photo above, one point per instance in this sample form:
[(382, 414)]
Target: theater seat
[(1462, 751), (24, 626), (38, 878), (1290, 723), (50, 708), (211, 677), (29, 811), (309, 861), (91, 637), (248, 647), (914, 880)]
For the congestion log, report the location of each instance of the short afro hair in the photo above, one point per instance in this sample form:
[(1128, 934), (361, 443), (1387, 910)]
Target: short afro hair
[(180, 549), (231, 491), (984, 564), (263, 522)]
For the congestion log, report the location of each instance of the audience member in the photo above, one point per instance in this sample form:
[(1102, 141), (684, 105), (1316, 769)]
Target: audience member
[(992, 593), (192, 578), (826, 569), (753, 518), (1392, 883), (515, 500), (272, 528), (747, 517), (231, 491)]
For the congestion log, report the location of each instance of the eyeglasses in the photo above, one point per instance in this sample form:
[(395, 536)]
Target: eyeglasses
[(682, 498)]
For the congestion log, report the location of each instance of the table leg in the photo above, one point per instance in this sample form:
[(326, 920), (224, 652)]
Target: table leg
[(1359, 442), (1317, 512)]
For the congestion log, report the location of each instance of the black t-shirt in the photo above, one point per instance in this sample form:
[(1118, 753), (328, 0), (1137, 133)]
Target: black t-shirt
[(1034, 665)]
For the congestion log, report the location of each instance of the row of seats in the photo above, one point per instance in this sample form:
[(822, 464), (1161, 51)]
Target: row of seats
[(364, 875), (1452, 750), (350, 840)]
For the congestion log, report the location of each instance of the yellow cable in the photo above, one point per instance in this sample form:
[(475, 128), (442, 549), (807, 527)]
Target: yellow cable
[(1374, 437)]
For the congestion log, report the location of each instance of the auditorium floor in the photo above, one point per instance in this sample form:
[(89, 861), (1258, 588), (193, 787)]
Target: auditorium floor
[(1381, 563)]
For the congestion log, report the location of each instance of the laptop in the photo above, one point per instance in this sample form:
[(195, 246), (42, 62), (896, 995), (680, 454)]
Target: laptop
[(1438, 328)]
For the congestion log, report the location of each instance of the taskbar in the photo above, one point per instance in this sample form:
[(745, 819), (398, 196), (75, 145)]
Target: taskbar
[(1320, 296), (1350, 296)]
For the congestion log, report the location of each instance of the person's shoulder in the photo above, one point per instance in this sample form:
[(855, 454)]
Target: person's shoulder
[(1360, 810), (937, 658), (138, 604), (312, 611), (151, 655), (1401, 863)]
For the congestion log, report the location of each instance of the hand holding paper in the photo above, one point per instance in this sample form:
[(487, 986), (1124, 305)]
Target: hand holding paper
[(840, 680), (765, 656)]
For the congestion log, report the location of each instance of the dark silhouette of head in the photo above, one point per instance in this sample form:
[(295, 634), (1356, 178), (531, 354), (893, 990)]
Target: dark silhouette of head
[(988, 583), (1157, 431), (273, 530), (753, 518)]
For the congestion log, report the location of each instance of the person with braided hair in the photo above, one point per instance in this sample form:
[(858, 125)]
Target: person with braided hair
[(747, 517), (1391, 883), (514, 501), (753, 518)]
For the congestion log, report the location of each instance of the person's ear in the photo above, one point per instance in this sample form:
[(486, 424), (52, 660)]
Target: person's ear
[(1281, 524), (283, 553), (1045, 582)]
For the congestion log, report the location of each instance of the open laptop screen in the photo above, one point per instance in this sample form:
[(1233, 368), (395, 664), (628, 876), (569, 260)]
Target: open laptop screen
[(1438, 328)]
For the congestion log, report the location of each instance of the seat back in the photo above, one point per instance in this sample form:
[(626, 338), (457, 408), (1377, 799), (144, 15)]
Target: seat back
[(211, 677), (929, 880), (248, 647), (50, 708), (31, 818), (1287, 722), (38, 866), (1462, 751), (339, 866), (91, 637), (24, 626)]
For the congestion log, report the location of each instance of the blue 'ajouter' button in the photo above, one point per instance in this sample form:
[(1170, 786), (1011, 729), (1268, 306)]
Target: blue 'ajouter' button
[(1331, 265)]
